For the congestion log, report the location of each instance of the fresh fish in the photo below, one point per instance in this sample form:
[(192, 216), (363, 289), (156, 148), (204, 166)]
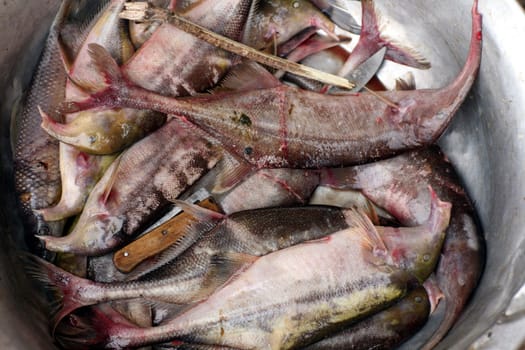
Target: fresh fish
[(296, 295), (80, 171), (372, 40), (107, 132), (273, 22), (35, 154), (384, 330), (287, 127), (135, 187), (162, 65), (404, 197), (193, 275)]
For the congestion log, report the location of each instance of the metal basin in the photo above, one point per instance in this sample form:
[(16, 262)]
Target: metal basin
[(485, 141)]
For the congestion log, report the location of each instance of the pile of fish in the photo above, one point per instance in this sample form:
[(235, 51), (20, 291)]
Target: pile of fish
[(312, 216)]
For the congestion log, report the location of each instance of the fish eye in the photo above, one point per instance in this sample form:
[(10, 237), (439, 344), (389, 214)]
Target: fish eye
[(296, 4), (426, 257)]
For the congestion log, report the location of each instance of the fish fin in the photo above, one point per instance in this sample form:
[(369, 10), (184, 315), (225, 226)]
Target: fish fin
[(434, 292), (404, 54), (63, 285), (164, 312), (314, 45), (109, 185), (84, 85), (248, 76), (105, 64), (51, 126), (286, 48), (93, 328), (224, 269), (253, 11), (199, 212), (231, 175), (371, 238), (191, 234), (116, 86), (371, 212), (338, 13), (396, 51), (406, 82)]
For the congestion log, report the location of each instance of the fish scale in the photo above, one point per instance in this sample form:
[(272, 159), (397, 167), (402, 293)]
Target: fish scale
[(36, 164)]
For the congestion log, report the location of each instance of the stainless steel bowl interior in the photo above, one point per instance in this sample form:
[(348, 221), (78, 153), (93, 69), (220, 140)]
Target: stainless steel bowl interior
[(485, 142)]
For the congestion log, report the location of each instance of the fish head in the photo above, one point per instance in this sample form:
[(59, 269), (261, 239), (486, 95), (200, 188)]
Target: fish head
[(274, 22), (417, 249), (93, 235), (104, 131)]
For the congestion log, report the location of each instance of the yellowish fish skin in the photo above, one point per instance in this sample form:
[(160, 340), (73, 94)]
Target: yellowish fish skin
[(108, 132), (384, 330), (294, 296)]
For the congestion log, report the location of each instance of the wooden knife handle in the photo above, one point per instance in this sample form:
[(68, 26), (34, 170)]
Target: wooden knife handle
[(157, 240)]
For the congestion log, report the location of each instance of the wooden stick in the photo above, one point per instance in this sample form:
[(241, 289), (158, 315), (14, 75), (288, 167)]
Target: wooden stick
[(141, 11)]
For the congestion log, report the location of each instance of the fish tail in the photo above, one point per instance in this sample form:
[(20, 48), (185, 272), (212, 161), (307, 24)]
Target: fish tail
[(93, 328), (65, 287), (372, 40), (60, 211), (439, 217), (54, 128), (99, 327), (452, 311), (116, 85)]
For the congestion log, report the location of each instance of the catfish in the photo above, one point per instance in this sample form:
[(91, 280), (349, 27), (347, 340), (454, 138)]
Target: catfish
[(193, 275), (136, 187), (282, 126), (295, 295), (398, 186)]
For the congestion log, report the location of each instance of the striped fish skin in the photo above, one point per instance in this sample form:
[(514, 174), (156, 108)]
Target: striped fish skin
[(136, 186), (162, 65)]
